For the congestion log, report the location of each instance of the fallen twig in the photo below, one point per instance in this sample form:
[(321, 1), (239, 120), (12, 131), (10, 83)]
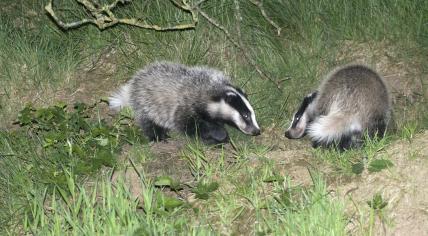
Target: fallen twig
[(104, 16)]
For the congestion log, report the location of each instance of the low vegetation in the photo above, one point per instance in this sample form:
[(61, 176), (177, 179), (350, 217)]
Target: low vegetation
[(68, 166)]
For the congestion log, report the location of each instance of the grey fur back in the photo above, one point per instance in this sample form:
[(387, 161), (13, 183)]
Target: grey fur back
[(168, 93), (357, 91)]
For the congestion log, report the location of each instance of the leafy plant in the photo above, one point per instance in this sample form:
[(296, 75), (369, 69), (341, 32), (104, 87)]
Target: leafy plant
[(71, 139), (377, 203), (166, 202), (379, 164), (203, 190), (166, 181), (358, 168)]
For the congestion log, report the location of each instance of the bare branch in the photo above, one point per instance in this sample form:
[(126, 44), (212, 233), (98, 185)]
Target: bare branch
[(199, 3), (140, 24), (103, 16), (113, 5), (259, 4), (63, 25)]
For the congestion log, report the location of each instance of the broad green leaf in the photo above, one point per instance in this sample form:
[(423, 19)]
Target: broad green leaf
[(163, 181), (166, 181), (167, 202), (202, 190), (380, 164), (358, 168)]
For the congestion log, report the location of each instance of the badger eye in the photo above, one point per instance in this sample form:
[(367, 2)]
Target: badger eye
[(245, 116)]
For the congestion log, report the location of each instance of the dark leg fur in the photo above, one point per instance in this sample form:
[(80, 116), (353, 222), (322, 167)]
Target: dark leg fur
[(349, 141), (378, 129), (316, 144), (213, 133), (152, 131), (210, 132), (345, 143)]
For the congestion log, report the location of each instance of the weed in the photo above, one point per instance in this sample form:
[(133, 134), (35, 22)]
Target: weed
[(54, 142), (376, 204), (74, 141), (408, 131)]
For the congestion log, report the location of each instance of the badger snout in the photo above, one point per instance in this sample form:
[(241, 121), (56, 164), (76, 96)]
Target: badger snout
[(256, 132), (252, 130), (294, 133)]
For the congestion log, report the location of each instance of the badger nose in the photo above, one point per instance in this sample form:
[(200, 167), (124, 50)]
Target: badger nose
[(256, 132), (287, 134)]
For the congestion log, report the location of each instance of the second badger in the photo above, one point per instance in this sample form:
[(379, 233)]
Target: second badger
[(167, 96), (351, 102)]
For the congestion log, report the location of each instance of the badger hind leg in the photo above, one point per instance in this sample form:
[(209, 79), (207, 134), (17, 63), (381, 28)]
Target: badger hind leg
[(350, 141), (152, 131), (377, 128)]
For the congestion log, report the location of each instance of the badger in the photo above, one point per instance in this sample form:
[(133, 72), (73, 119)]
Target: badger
[(167, 96), (352, 102)]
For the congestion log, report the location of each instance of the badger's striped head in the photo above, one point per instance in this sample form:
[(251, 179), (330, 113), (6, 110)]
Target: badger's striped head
[(300, 119), (233, 107)]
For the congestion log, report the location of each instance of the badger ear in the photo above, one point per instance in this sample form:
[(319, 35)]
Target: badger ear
[(242, 92), (229, 96)]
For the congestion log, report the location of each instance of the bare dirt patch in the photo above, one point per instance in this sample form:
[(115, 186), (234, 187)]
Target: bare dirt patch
[(96, 77), (295, 164), (293, 158), (404, 187), (166, 161)]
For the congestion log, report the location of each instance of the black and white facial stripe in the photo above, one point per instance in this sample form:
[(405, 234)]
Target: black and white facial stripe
[(303, 107), (233, 107), (300, 119)]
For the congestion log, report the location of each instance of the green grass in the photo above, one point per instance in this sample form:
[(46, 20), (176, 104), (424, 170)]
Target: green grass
[(56, 161), (108, 209), (274, 207), (307, 211), (105, 209), (354, 161)]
